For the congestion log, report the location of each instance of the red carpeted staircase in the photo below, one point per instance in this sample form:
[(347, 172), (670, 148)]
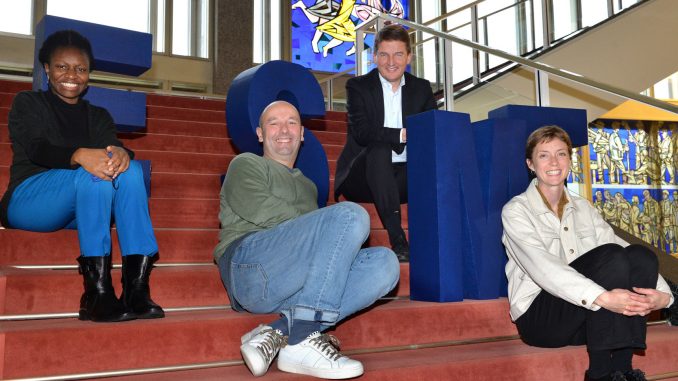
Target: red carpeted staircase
[(187, 142)]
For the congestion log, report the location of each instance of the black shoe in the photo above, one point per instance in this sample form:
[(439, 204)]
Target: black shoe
[(99, 303), (401, 249), (635, 375), (136, 293)]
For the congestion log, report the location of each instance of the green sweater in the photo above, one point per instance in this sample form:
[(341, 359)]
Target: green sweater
[(258, 194)]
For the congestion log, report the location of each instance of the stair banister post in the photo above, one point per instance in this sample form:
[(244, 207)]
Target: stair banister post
[(541, 84), (448, 83), (474, 36)]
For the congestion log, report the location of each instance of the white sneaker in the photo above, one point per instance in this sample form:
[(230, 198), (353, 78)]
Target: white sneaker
[(318, 356), (259, 347)]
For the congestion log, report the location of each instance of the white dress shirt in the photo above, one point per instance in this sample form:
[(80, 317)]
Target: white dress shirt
[(393, 114)]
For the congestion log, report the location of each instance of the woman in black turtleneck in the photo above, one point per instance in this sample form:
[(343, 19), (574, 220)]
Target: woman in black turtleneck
[(70, 171)]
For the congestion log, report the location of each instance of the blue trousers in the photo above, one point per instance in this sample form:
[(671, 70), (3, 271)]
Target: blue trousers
[(72, 199), (312, 267)]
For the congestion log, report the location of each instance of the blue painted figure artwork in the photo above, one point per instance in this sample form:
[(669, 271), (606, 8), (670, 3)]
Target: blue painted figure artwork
[(633, 177), (324, 31)]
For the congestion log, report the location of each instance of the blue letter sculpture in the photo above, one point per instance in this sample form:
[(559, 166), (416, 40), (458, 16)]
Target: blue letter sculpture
[(253, 89), (459, 176)]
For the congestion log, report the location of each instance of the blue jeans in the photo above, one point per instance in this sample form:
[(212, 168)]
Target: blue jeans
[(71, 199), (312, 267)]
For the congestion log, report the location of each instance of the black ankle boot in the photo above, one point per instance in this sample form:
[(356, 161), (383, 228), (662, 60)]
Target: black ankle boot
[(99, 303), (136, 294)]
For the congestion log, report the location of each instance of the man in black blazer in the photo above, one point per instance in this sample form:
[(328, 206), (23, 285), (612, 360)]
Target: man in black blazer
[(372, 166)]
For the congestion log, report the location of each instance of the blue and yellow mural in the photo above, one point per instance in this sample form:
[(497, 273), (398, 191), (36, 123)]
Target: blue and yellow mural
[(324, 31), (633, 178)]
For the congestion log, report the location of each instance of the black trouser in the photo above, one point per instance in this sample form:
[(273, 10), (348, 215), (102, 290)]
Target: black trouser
[(374, 178), (552, 322)]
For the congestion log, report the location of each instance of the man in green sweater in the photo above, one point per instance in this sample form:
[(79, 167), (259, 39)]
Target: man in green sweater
[(279, 253)]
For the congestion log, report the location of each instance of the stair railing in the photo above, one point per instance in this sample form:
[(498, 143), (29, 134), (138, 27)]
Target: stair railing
[(541, 70), (475, 23)]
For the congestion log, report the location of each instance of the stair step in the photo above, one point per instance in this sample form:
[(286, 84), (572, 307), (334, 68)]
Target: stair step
[(70, 346), (61, 247), (186, 102), (186, 127), (203, 213), (326, 125), (37, 291), (57, 291), (184, 213), (6, 99), (181, 162), (165, 185), (503, 360), (15, 86), (177, 113), (193, 144), (177, 143), (161, 129)]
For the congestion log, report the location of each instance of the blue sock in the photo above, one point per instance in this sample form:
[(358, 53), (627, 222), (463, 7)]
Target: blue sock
[(281, 324), (301, 329)]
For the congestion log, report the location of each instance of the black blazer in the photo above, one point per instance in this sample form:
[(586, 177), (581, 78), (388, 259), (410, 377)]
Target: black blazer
[(365, 104)]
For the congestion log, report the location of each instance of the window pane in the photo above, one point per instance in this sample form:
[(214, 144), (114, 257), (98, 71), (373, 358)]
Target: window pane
[(127, 14), (462, 56), (203, 29), (501, 32), (257, 56), (181, 27), (563, 21), (593, 12), (275, 30), (16, 16), (159, 34)]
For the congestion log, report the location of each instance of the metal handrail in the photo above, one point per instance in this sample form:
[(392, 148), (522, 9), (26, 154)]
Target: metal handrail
[(577, 78)]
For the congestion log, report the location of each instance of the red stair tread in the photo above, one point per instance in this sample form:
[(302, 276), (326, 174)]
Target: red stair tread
[(31, 291), (186, 102), (326, 125), (504, 360), (9, 86), (177, 113), (186, 127), (56, 291), (61, 247), (6, 99), (181, 162), (71, 346), (176, 143)]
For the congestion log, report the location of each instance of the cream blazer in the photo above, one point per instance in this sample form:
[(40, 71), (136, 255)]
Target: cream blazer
[(540, 247)]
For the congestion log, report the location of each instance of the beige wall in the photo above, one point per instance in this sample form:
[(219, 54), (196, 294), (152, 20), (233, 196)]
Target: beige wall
[(16, 50)]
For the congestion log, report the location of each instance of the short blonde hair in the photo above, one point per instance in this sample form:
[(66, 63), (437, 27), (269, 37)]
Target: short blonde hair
[(544, 135)]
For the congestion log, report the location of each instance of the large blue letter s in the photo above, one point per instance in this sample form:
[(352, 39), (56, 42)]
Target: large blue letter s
[(253, 89)]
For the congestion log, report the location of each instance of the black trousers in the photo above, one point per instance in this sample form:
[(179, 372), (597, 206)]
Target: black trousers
[(552, 322), (374, 178)]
